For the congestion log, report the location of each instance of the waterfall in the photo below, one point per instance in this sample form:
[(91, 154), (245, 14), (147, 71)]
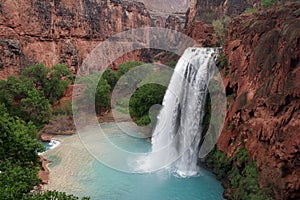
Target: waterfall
[(179, 124)]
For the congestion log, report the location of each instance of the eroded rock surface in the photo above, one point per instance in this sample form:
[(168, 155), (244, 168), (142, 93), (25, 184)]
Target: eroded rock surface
[(263, 88)]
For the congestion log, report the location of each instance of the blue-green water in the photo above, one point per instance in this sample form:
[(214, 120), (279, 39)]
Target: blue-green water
[(104, 183)]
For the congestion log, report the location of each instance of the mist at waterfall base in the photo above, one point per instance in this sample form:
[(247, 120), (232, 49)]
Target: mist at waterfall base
[(173, 153)]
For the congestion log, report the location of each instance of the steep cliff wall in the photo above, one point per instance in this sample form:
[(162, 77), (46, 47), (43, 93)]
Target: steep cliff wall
[(263, 88), (203, 12), (207, 11), (34, 31)]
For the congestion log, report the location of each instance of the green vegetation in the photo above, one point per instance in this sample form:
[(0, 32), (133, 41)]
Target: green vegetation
[(30, 96), (111, 77), (268, 3), (250, 10), (238, 173), (25, 106), (220, 27), (99, 89), (145, 97), (171, 64), (125, 67), (222, 61), (19, 162), (52, 195), (141, 100), (52, 83)]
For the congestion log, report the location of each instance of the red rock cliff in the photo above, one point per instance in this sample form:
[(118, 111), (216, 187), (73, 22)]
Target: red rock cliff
[(35, 31), (263, 88)]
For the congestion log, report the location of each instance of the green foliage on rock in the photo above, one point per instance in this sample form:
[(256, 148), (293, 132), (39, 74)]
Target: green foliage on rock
[(250, 10), (238, 173), (59, 79), (220, 27), (102, 94), (268, 3), (125, 67)]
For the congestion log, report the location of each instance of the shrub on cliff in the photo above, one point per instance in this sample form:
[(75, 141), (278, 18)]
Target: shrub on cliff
[(239, 174), (268, 3), (220, 28)]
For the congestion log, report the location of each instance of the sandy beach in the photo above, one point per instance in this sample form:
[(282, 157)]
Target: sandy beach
[(64, 167)]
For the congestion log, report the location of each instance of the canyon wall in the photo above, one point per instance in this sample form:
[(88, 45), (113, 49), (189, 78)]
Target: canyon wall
[(263, 88), (209, 10), (51, 32)]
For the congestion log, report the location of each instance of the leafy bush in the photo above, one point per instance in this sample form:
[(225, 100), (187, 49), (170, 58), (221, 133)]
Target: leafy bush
[(30, 96), (52, 195), (144, 97), (36, 107), (100, 90), (16, 180), (51, 82), (250, 10), (19, 161), (268, 3), (18, 139), (220, 27), (222, 61), (125, 67), (171, 64), (111, 77), (144, 120)]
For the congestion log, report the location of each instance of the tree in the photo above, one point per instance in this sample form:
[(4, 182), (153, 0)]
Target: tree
[(52, 195), (38, 74), (102, 98), (59, 79), (18, 141), (111, 77), (145, 97), (51, 82), (99, 90), (36, 107), (19, 161), (125, 67)]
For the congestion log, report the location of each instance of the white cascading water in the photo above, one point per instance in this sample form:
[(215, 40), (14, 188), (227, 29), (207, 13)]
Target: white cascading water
[(179, 123)]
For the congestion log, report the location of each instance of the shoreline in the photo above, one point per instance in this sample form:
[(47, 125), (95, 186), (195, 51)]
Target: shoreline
[(44, 173), (64, 165)]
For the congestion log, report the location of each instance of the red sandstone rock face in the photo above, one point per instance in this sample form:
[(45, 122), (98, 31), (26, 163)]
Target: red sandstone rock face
[(263, 53), (35, 31), (207, 11), (202, 33)]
